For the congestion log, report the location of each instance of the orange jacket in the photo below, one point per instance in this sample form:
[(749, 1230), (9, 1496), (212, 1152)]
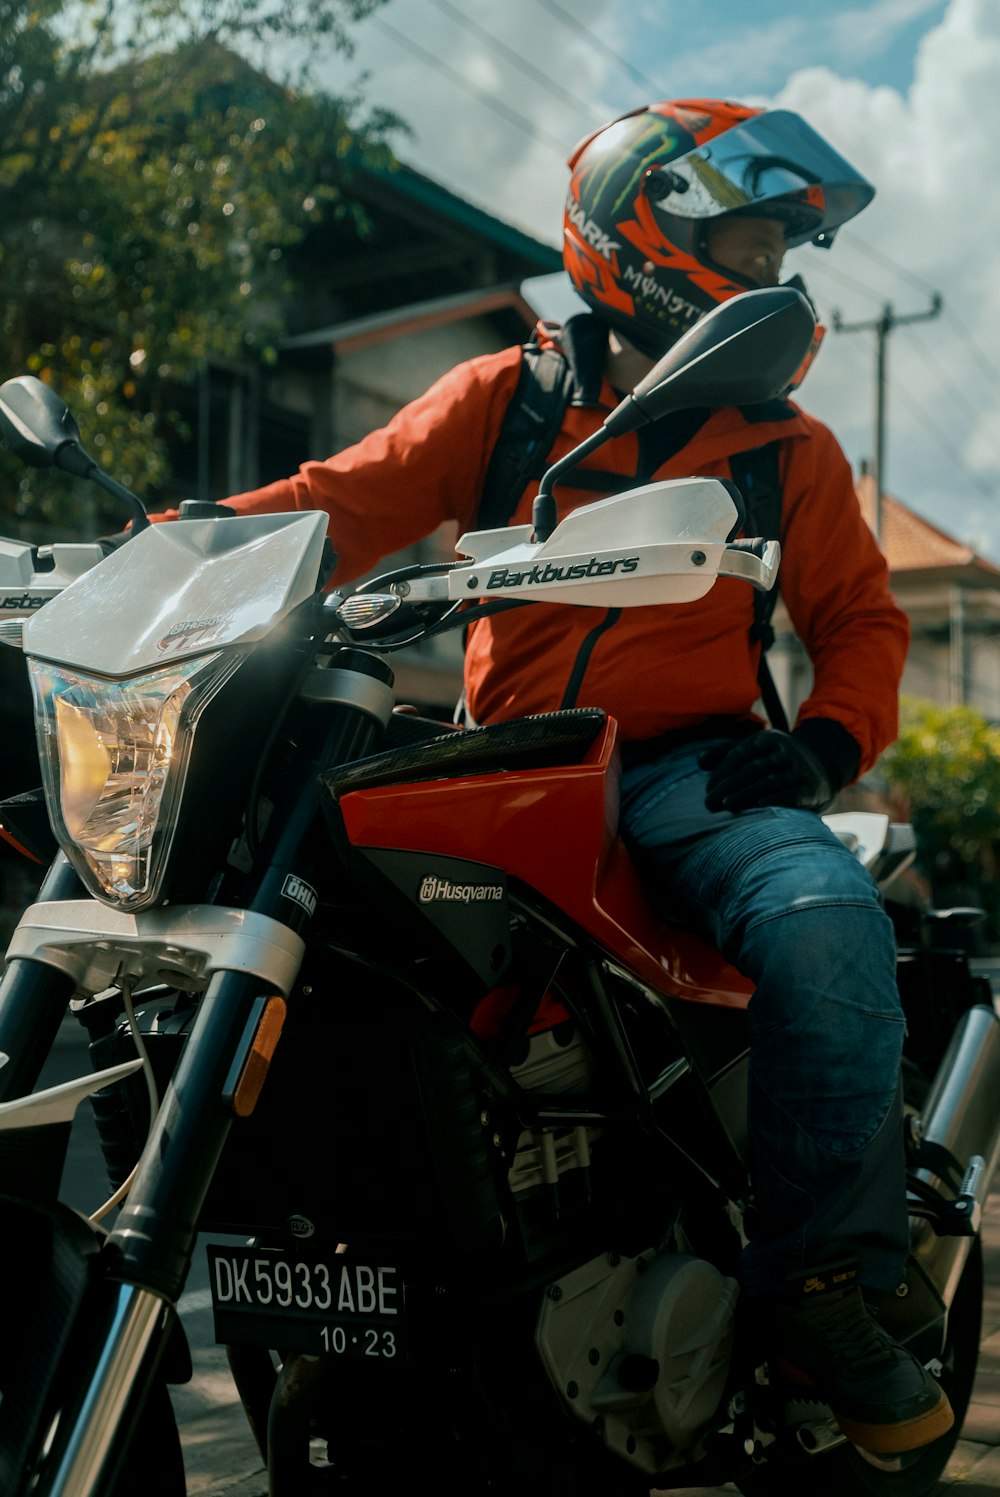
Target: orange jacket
[(657, 668)]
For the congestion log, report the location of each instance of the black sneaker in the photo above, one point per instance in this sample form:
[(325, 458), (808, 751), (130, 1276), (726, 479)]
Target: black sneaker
[(824, 1338)]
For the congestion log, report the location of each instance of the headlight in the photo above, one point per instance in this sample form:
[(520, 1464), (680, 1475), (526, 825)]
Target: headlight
[(115, 757)]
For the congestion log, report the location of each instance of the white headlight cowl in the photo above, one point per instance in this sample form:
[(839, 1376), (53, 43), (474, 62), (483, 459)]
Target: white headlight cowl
[(115, 756)]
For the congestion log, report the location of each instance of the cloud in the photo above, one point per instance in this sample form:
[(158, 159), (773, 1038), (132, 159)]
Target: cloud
[(932, 155), (482, 125), (930, 147), (862, 30), (739, 51)]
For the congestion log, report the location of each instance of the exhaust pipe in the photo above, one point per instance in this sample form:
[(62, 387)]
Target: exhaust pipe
[(959, 1133)]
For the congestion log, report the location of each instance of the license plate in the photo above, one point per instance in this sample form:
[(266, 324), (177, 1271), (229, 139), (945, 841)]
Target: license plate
[(322, 1306)]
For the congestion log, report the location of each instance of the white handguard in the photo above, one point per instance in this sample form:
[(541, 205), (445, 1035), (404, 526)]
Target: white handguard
[(663, 543), (30, 576)]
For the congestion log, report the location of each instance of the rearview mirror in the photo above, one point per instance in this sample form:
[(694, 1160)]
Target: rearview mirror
[(41, 430), (745, 351)]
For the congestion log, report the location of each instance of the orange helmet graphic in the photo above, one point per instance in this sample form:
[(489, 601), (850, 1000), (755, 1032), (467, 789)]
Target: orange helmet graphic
[(644, 188)]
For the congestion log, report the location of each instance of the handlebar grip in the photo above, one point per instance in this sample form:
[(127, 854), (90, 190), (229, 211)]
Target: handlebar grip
[(754, 559)]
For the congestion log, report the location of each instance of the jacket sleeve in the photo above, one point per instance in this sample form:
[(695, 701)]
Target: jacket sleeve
[(401, 482), (835, 585)]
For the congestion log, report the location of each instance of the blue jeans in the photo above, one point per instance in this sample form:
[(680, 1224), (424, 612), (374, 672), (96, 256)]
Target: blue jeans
[(793, 910)]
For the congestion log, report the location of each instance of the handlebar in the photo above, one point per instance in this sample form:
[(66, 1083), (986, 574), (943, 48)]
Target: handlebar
[(665, 542)]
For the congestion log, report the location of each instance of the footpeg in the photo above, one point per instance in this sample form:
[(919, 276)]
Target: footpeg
[(960, 1217)]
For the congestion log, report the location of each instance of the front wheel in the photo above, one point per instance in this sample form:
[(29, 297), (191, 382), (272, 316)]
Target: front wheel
[(847, 1471), (154, 1464)]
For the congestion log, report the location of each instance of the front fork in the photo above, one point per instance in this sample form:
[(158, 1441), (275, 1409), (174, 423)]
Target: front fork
[(33, 1000), (147, 1254)]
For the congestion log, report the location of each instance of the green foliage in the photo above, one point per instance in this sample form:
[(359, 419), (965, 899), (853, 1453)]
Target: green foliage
[(152, 184), (946, 763)]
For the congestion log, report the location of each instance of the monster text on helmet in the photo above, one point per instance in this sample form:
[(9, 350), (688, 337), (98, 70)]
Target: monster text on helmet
[(649, 288)]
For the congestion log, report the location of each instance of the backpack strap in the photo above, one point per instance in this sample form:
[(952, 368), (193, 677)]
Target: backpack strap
[(550, 380), (757, 475), (529, 430)]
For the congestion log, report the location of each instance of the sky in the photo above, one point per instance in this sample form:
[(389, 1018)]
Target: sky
[(497, 95)]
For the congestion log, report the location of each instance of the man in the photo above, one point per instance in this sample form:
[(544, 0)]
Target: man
[(671, 210)]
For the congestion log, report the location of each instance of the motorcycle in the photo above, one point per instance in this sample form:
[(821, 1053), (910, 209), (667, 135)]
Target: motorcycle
[(385, 1001)]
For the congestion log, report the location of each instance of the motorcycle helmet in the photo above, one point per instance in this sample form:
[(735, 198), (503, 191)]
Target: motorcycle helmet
[(644, 189)]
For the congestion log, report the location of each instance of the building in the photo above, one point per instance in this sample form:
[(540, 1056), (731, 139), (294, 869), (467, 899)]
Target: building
[(951, 596), (377, 317)]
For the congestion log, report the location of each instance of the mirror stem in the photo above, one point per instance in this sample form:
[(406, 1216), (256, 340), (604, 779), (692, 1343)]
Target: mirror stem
[(72, 458), (139, 517), (543, 511)]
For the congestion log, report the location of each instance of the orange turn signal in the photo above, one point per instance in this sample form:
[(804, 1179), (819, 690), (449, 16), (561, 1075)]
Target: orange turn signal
[(243, 1098)]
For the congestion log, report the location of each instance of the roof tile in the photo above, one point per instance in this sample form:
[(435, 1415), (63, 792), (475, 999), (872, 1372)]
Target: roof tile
[(910, 543)]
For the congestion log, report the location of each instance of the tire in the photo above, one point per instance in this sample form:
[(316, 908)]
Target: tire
[(154, 1463), (848, 1472)]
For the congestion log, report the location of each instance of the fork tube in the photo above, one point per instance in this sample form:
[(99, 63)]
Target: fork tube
[(136, 1317), (156, 1228), (33, 1000)]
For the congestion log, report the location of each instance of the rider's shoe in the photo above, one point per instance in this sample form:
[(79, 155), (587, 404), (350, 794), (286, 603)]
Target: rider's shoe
[(824, 1338)]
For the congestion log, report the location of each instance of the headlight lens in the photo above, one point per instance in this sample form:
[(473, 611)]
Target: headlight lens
[(114, 758)]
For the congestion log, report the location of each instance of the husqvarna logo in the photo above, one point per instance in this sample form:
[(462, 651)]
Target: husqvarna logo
[(435, 890), (194, 632)]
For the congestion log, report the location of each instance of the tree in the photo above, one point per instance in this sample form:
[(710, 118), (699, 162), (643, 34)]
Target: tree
[(946, 764), (153, 181)]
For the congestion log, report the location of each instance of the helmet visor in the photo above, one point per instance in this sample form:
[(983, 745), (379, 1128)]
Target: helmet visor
[(773, 163)]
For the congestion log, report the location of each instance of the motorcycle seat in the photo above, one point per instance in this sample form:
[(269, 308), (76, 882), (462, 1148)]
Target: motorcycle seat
[(543, 741)]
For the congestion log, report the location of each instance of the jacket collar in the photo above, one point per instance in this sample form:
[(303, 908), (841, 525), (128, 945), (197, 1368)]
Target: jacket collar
[(583, 341)]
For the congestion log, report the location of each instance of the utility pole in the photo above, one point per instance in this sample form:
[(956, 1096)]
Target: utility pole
[(882, 327)]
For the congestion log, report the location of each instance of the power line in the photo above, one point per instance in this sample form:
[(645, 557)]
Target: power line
[(982, 360), (881, 258), (960, 396), (812, 272), (521, 122), (928, 426), (414, 49), (822, 272), (940, 374), (549, 84), (882, 327), (603, 48), (947, 445), (985, 363)]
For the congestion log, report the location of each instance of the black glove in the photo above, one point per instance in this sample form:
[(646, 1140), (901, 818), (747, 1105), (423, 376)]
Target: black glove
[(804, 768), (109, 543)]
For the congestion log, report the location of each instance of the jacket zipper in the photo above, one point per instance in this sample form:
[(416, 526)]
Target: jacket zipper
[(583, 658)]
